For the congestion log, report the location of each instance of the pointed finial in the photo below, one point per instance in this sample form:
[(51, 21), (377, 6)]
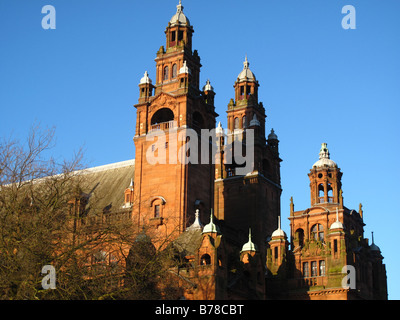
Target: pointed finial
[(246, 62), (196, 224), (249, 246), (211, 227), (324, 152), (291, 206), (179, 6), (372, 237), (131, 185), (279, 222)]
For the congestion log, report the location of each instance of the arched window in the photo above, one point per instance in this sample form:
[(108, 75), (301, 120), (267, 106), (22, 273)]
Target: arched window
[(321, 193), (205, 259), (330, 193), (162, 115), (236, 123), (166, 73), (300, 236), (244, 122), (174, 71), (317, 232)]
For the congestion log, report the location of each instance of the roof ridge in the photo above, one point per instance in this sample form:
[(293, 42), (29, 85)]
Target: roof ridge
[(109, 166)]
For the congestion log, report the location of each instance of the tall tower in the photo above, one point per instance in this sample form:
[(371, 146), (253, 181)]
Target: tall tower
[(249, 199), (169, 186)]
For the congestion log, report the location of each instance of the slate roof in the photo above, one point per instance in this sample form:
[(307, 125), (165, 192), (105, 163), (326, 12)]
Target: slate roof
[(105, 185)]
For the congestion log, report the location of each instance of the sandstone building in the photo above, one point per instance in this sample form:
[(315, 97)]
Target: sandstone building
[(227, 225)]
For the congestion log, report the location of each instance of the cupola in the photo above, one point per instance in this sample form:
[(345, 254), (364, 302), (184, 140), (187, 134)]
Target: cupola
[(246, 74), (324, 158), (272, 135), (249, 245), (211, 227), (337, 224), (179, 18), (179, 31), (246, 84), (373, 246), (279, 232), (196, 224)]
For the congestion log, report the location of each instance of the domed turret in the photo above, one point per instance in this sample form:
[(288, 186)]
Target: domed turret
[(254, 121), (211, 227), (324, 158), (272, 135), (179, 17), (278, 232), (208, 86), (145, 79), (246, 74), (249, 245), (197, 223), (219, 130), (373, 246), (337, 224), (184, 68)]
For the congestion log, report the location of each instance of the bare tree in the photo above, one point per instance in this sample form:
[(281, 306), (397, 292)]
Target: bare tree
[(43, 221)]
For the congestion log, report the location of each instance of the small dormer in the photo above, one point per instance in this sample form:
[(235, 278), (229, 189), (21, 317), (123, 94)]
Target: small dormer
[(128, 196)]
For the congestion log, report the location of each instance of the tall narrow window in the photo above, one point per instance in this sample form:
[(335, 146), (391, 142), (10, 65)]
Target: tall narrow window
[(174, 71), (180, 35), (276, 252), (322, 268), (306, 273), (300, 236), (314, 269), (335, 246), (321, 193), (157, 211), (236, 123), (166, 71), (244, 122), (330, 193)]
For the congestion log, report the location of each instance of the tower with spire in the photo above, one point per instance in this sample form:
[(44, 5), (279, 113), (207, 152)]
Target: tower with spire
[(250, 200), (221, 222), (168, 190)]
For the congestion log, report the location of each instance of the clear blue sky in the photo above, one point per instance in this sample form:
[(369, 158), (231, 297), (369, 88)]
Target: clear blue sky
[(318, 82)]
